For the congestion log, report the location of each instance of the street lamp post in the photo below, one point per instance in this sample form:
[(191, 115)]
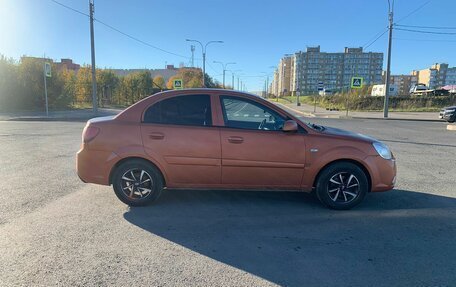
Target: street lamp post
[(224, 69), (232, 77), (203, 49)]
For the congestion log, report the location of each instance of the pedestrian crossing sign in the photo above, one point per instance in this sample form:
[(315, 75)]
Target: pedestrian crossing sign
[(356, 83), (178, 84)]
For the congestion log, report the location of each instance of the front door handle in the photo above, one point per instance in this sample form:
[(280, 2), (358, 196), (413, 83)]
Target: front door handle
[(156, 136), (235, 140)]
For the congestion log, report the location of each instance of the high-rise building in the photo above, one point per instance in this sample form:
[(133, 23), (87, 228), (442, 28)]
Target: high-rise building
[(285, 75), (335, 70), (438, 75)]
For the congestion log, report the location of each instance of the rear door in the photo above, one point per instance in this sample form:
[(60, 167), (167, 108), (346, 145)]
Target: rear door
[(178, 133), (255, 150)]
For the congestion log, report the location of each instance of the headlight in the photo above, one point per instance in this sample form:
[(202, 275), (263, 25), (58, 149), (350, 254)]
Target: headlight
[(383, 150)]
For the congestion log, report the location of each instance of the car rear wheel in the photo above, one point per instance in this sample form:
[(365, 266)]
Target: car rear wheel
[(137, 183), (342, 185)]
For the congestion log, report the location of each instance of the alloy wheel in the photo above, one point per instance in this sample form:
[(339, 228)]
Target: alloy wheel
[(343, 187), (136, 183)]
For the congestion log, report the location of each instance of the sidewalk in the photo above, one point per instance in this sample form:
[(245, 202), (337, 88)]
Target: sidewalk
[(70, 115), (308, 110)]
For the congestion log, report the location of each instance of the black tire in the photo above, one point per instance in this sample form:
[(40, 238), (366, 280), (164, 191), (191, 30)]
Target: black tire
[(130, 191), (352, 190)]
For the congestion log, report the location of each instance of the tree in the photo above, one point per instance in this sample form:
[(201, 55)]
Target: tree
[(159, 82), (83, 88), (107, 84), (9, 84)]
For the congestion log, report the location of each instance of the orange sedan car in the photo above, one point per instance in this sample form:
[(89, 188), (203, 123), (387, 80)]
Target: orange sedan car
[(223, 139)]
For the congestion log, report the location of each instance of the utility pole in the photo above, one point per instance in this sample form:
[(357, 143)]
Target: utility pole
[(192, 48), (238, 83), (388, 65), (92, 46)]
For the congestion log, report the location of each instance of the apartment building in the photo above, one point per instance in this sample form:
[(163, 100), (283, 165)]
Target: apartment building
[(436, 76), (285, 71), (403, 82), (334, 70)]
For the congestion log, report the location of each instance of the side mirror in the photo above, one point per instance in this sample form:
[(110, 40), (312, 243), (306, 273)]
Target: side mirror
[(290, 126)]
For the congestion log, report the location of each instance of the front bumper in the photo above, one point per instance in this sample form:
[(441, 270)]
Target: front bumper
[(383, 173), (447, 116)]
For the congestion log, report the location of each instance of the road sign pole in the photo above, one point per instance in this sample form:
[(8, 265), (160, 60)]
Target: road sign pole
[(315, 104), (45, 90), (346, 104)]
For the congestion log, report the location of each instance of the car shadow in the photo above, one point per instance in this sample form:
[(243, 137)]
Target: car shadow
[(395, 238)]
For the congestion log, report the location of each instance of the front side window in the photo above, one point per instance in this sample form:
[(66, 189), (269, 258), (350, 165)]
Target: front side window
[(190, 110), (246, 114)]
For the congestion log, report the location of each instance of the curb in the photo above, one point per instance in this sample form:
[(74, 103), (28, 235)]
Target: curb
[(451, 127), (45, 119), (309, 115), (394, 119), (312, 115)]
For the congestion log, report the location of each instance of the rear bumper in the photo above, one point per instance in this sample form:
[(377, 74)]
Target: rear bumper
[(94, 166), (383, 173)]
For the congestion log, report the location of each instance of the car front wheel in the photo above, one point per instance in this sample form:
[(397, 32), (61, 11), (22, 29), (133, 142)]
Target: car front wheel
[(137, 183), (342, 185)]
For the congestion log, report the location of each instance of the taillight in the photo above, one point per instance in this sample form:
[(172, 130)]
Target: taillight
[(89, 133)]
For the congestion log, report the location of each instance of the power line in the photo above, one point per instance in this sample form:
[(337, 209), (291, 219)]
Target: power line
[(426, 32), (424, 40), (139, 40), (414, 11), (376, 39), (427, 27), (121, 32), (70, 8)]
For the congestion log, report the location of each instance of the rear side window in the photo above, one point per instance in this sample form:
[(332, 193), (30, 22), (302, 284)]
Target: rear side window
[(190, 110)]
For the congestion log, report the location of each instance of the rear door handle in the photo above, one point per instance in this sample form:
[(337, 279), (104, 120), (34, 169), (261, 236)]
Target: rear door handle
[(235, 140), (156, 136)]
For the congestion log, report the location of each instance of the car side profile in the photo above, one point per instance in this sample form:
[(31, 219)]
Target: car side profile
[(223, 139)]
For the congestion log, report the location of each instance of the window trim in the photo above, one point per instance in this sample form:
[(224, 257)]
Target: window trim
[(174, 124)]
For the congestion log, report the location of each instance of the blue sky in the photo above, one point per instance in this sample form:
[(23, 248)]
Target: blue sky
[(256, 33)]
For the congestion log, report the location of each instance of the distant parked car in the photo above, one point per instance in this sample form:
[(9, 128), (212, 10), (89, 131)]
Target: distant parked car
[(448, 114), (222, 139)]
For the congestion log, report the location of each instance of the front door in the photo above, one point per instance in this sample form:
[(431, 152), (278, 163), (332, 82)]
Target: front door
[(255, 151), (178, 133)]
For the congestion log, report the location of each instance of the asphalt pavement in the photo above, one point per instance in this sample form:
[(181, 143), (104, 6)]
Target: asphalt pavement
[(57, 231)]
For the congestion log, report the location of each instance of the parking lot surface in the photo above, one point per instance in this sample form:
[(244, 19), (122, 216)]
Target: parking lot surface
[(56, 230)]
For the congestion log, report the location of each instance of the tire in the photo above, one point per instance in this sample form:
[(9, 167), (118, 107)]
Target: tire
[(137, 182), (342, 186)]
